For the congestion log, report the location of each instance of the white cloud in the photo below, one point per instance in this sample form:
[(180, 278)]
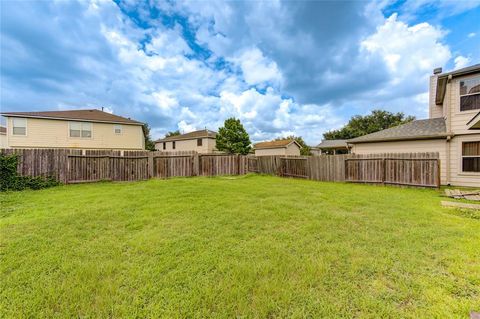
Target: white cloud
[(184, 127), (461, 62), (257, 69), (472, 34)]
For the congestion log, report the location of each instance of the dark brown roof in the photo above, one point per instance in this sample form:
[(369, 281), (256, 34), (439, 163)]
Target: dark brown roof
[(3, 130), (420, 129), (190, 136), (333, 144), (79, 115), (274, 144)]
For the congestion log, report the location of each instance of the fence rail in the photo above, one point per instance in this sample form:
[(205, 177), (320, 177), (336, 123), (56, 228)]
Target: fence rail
[(77, 166)]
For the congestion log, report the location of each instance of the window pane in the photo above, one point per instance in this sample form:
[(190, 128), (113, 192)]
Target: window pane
[(74, 133), (86, 133), (86, 126), (470, 86), (470, 102), (19, 130), (173, 145), (164, 145), (471, 164), (19, 123), (471, 149), (199, 142), (118, 129)]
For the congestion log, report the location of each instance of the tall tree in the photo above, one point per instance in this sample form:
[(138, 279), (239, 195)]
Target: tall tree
[(361, 125), (304, 148), (172, 133), (149, 144), (233, 138)]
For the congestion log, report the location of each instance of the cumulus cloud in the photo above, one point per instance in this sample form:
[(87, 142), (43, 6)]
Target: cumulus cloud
[(281, 67), (461, 62)]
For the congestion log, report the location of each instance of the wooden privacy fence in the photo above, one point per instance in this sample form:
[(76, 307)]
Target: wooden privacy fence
[(402, 169), (75, 166)]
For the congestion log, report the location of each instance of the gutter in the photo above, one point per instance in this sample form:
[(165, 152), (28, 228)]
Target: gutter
[(400, 138), (69, 119)]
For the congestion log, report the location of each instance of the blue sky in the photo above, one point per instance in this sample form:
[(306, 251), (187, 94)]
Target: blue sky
[(281, 67)]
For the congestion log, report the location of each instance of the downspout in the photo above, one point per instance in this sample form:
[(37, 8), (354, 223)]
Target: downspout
[(449, 128)]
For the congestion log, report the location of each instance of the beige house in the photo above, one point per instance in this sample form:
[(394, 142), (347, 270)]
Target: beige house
[(202, 141), (330, 147), (452, 130), (3, 137), (282, 147), (83, 129)]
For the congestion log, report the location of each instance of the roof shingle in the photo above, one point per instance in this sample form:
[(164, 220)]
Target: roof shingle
[(80, 115), (333, 144), (420, 129), (273, 144)]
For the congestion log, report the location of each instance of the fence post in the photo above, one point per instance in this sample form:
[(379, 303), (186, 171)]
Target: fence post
[(150, 164), (384, 161), (438, 173)]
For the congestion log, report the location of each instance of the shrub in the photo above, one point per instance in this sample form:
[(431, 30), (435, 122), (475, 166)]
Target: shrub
[(10, 180)]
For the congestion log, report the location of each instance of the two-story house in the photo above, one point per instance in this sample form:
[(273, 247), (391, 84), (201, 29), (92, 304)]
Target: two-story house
[(452, 129), (202, 141), (83, 129)]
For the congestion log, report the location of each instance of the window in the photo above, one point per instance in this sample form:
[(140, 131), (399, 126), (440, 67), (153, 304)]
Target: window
[(117, 129), (471, 156), (164, 145), (173, 145), (80, 129), (19, 126), (199, 142), (470, 94)]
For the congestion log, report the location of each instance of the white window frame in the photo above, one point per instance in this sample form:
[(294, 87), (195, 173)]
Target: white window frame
[(81, 130), (118, 126), (13, 126), (460, 95), (462, 172)]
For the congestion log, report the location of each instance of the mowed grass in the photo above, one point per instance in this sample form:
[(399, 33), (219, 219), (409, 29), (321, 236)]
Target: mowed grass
[(249, 247)]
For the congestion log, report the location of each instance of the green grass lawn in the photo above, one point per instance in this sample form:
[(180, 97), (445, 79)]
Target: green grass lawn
[(253, 246)]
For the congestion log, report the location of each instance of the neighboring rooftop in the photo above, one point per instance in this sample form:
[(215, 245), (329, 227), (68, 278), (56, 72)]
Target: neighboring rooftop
[(333, 144), (420, 129), (191, 135), (3, 130), (77, 115), (274, 144), (463, 71)]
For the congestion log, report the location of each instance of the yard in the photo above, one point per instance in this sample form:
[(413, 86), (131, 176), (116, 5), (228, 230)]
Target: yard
[(248, 246)]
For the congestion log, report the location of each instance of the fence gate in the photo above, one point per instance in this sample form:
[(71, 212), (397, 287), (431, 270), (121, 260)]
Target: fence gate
[(293, 167)]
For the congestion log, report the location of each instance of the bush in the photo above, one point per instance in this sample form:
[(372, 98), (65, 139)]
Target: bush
[(10, 180)]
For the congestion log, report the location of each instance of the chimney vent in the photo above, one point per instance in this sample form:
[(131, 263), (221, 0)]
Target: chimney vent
[(437, 71)]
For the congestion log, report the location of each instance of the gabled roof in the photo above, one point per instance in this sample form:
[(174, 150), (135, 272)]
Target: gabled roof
[(333, 144), (415, 130), (3, 130), (189, 136), (275, 144), (77, 115), (443, 79)]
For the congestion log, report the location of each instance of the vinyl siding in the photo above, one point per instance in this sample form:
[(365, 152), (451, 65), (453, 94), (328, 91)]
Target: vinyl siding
[(290, 150), (3, 141), (407, 147), (208, 145), (458, 120), (43, 133)]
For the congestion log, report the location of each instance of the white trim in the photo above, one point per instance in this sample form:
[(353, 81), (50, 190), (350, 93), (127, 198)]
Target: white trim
[(115, 129), (20, 135), (67, 119), (461, 171), (80, 137)]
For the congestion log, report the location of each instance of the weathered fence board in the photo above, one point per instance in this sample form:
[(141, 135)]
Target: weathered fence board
[(74, 166)]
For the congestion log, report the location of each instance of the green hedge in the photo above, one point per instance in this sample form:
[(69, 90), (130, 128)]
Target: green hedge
[(10, 180)]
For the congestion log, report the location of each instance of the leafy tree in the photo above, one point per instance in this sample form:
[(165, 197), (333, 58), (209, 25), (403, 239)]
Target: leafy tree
[(360, 125), (233, 138), (172, 133), (304, 148), (149, 144)]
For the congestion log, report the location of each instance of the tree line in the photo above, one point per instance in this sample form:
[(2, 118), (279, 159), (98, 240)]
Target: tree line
[(232, 137)]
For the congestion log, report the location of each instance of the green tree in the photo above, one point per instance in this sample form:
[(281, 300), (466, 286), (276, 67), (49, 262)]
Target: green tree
[(233, 138), (304, 148), (361, 125), (172, 133), (149, 144)]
